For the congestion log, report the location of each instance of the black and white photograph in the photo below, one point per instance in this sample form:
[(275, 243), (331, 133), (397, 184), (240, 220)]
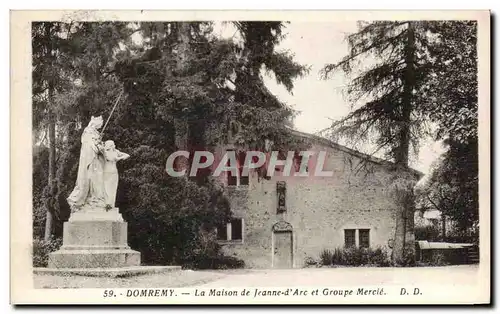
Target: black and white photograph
[(250, 158)]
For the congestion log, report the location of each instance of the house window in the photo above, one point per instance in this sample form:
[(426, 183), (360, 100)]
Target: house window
[(239, 179), (232, 231), (361, 235), (232, 180), (222, 232), (364, 238), (282, 156), (237, 229), (243, 179), (241, 165), (350, 237), (298, 162)]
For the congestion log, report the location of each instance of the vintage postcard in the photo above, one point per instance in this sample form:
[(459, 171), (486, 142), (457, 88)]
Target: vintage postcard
[(248, 157)]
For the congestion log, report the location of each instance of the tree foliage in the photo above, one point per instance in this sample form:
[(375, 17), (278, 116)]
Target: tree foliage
[(385, 93), (453, 187), (443, 102), (452, 103), (173, 71), (410, 79), (443, 98), (64, 54), (451, 98)]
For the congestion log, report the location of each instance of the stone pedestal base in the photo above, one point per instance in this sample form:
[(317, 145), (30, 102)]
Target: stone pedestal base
[(95, 239), (94, 258)]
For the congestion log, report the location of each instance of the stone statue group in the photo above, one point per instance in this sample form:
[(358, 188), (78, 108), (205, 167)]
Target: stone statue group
[(97, 179)]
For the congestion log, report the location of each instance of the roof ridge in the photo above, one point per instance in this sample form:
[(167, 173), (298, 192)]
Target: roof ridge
[(357, 153)]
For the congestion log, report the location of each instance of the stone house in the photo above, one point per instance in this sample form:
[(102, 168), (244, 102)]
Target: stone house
[(280, 220)]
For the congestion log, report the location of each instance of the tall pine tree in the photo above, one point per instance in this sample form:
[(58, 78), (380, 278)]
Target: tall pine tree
[(385, 97), (422, 81)]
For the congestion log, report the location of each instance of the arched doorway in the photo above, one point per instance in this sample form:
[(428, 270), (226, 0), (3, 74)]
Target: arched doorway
[(282, 238)]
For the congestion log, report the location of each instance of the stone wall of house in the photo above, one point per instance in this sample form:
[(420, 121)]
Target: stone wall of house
[(318, 208)]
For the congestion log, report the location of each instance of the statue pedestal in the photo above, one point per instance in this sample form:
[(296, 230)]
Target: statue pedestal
[(95, 239)]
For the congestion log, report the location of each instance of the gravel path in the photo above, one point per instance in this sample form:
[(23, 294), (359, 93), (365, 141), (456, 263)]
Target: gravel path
[(458, 275), (175, 279)]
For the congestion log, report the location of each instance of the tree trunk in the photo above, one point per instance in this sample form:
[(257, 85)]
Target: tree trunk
[(409, 85), (49, 222), (405, 237), (183, 48), (443, 226), (180, 122)]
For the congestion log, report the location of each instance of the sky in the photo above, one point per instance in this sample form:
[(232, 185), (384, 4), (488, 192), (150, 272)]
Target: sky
[(320, 101)]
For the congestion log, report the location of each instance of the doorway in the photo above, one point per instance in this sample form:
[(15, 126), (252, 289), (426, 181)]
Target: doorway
[(282, 249)]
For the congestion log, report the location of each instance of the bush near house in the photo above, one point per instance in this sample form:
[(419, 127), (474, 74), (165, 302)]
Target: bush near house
[(207, 254), (408, 258), (213, 262), (42, 249), (355, 257), (439, 257), (429, 233), (311, 262), (470, 235)]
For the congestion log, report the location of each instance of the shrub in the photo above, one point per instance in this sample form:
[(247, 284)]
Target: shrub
[(326, 257), (213, 262), (165, 213), (429, 233), (355, 257), (456, 236), (408, 258), (439, 259), (309, 261), (379, 257), (228, 262), (206, 254), (41, 250), (442, 257), (338, 257)]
